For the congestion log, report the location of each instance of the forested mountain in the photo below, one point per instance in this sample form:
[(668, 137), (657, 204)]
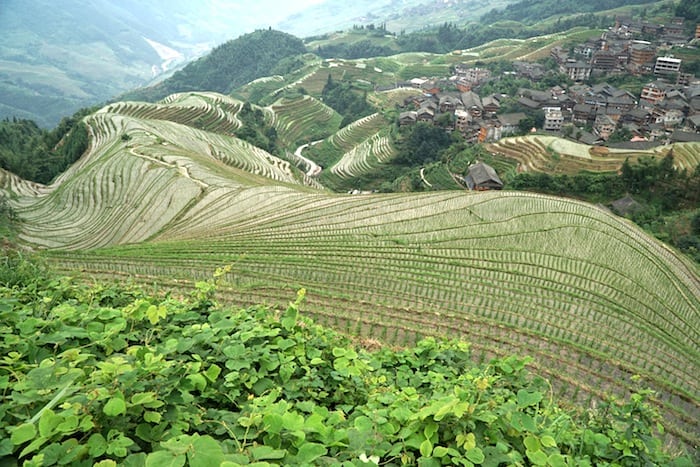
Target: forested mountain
[(261, 53), (56, 58), (532, 11)]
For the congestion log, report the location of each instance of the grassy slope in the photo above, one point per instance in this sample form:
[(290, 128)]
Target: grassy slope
[(590, 296)]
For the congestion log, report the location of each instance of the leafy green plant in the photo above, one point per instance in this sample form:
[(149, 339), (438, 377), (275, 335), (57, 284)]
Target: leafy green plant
[(157, 381)]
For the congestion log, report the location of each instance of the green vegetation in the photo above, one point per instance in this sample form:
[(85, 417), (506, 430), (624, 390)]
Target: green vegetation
[(102, 375), (40, 155), (232, 64), (255, 129), (347, 100), (528, 12), (590, 297), (8, 220)]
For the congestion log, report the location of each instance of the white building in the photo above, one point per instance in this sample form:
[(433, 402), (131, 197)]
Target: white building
[(667, 66), (553, 118)]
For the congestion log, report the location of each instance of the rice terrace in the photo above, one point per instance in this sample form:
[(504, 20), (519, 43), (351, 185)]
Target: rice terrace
[(166, 195)]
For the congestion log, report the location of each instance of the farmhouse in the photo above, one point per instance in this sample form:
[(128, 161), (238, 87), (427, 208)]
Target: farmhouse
[(483, 177)]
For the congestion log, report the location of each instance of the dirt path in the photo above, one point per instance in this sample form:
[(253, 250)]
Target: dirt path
[(314, 170), (180, 168), (422, 177)]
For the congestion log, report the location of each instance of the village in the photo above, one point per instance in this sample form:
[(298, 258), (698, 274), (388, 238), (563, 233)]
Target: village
[(583, 106)]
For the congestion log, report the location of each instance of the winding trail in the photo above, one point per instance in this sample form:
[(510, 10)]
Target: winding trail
[(180, 168), (314, 170), (422, 177)]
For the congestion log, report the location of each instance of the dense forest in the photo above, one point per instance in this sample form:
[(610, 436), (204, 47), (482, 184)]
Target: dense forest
[(264, 52), (256, 130), (37, 154), (346, 99), (533, 11)]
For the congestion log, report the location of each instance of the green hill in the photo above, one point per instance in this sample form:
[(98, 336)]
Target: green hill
[(592, 298), (231, 65)]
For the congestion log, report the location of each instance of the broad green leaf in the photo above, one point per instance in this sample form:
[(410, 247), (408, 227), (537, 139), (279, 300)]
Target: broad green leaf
[(141, 398), (155, 313), (290, 318), (68, 425), (115, 406), (440, 451), (48, 423), (426, 448), (522, 422), (97, 445), (364, 424), (198, 381), (286, 372), (212, 373), (105, 463), (308, 452), (5, 447), (165, 459), (430, 429), (266, 452), (447, 408), (151, 417), (205, 452), (526, 399), (537, 457), (475, 455), (23, 433), (292, 421), (547, 441), (467, 441), (532, 443), (556, 460), (135, 460), (274, 423)]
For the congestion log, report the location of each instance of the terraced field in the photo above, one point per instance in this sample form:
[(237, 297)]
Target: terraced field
[(355, 149), (540, 153), (364, 157), (138, 176), (302, 120), (206, 111), (590, 296)]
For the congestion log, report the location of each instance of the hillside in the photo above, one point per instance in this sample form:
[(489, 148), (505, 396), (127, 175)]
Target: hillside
[(231, 65), (592, 298), (84, 54)]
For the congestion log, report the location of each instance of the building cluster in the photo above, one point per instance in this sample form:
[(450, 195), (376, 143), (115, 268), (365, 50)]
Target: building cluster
[(668, 107), (636, 48)]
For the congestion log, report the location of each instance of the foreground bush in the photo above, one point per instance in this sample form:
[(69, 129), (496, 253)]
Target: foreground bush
[(104, 376)]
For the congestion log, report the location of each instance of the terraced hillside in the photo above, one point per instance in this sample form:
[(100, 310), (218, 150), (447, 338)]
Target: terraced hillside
[(590, 296), (139, 175), (355, 149), (302, 119), (206, 111), (540, 153)]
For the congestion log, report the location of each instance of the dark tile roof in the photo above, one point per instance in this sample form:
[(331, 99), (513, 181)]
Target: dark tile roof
[(481, 174)]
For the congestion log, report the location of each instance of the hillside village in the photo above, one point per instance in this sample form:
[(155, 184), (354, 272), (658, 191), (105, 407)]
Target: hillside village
[(666, 110)]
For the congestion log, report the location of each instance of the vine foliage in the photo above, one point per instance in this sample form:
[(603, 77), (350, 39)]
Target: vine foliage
[(105, 375)]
